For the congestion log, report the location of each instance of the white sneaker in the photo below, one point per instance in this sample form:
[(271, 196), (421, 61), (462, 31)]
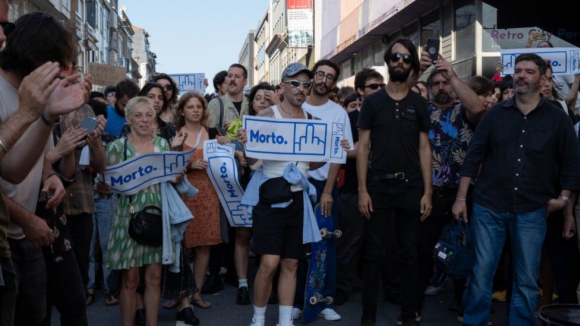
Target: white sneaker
[(258, 321), (296, 313), (291, 320), (329, 314), (432, 290)]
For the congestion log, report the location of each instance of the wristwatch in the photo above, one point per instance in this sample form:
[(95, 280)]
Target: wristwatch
[(566, 198)]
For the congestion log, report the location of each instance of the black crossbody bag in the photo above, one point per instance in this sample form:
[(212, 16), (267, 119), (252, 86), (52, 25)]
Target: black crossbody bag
[(146, 226)]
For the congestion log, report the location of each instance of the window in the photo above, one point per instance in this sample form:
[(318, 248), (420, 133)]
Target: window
[(92, 14), (465, 30), (489, 19), (430, 26), (411, 31)]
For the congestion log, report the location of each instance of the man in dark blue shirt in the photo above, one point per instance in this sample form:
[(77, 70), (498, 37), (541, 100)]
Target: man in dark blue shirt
[(530, 165)]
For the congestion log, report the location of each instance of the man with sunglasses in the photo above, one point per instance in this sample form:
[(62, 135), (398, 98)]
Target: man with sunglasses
[(395, 179), (319, 105), (110, 97), (368, 81)]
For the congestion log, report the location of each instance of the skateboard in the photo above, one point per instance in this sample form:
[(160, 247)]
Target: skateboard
[(316, 298)]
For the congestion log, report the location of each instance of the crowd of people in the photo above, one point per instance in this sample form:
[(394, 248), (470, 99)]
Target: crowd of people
[(503, 155)]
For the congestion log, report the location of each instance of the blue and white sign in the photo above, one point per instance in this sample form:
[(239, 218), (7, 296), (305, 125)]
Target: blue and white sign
[(223, 174), (564, 61), (131, 176), (294, 140), (189, 82)]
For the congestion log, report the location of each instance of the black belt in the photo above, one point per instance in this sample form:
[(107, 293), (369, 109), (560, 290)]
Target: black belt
[(389, 176), (444, 191)]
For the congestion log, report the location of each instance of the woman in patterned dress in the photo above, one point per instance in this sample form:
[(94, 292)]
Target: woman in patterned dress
[(204, 230), (123, 252)]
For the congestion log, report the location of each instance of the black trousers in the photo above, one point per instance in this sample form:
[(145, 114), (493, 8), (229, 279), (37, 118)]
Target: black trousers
[(350, 246), (81, 230), (399, 201), (65, 290)]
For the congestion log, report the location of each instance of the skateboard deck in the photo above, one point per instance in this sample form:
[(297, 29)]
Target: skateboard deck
[(316, 298)]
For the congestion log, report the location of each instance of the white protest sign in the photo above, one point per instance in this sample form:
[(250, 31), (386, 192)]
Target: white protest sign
[(223, 174), (294, 140), (129, 177), (564, 61)]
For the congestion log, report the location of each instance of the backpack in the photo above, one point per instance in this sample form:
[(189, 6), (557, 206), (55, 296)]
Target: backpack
[(454, 253)]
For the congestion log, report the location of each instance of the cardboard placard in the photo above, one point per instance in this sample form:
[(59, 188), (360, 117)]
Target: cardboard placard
[(105, 75)]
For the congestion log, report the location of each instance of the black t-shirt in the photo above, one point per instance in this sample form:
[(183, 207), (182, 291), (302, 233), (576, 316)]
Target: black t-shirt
[(238, 106), (350, 179), (395, 128)]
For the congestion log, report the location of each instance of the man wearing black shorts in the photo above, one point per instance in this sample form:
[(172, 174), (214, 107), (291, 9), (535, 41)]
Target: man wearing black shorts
[(279, 212), (394, 181)]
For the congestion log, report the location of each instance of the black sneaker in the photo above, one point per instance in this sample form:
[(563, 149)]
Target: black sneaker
[(212, 285), (243, 296)]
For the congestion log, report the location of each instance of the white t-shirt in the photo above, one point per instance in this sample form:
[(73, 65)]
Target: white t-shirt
[(329, 111), (25, 193), (561, 85)]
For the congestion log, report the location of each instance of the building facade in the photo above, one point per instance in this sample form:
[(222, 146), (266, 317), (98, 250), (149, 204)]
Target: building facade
[(247, 56), (142, 54), (102, 29)]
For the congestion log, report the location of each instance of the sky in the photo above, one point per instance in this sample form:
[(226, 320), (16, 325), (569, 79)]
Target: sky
[(196, 36)]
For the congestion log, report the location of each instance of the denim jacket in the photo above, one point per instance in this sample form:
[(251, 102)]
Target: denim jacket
[(176, 216), (310, 232)]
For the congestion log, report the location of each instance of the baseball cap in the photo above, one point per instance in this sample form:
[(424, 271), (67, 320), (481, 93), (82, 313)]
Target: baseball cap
[(294, 69)]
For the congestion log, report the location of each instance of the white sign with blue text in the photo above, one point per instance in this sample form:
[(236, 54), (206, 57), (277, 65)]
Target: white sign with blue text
[(131, 176), (564, 61), (189, 82), (294, 140), (223, 173)]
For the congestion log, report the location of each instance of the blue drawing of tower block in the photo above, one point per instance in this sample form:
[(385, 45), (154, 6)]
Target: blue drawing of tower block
[(312, 140)]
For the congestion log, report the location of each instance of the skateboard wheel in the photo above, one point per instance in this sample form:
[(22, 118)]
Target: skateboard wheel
[(337, 233), (324, 233), (313, 300), (329, 300)]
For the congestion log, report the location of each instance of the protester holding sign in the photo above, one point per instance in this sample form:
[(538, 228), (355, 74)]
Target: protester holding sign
[(124, 253), (204, 231)]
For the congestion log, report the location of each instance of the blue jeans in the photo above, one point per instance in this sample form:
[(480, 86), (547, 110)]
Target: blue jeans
[(489, 230), (101, 221)]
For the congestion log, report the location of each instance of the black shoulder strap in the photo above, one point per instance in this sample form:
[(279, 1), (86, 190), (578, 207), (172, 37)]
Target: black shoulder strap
[(309, 116), (125, 149), (221, 111)]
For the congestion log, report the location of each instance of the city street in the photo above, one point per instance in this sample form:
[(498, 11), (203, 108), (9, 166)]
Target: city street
[(225, 312)]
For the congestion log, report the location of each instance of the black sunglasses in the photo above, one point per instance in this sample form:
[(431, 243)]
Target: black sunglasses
[(296, 83), (167, 87), (397, 56), (375, 86), (8, 27)]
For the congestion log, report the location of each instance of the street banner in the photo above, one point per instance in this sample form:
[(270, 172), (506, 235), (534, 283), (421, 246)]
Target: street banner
[(105, 75), (564, 61), (131, 176), (294, 140), (223, 173), (189, 82), (300, 23)]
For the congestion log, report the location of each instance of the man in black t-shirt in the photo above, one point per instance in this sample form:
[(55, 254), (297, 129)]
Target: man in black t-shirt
[(394, 179)]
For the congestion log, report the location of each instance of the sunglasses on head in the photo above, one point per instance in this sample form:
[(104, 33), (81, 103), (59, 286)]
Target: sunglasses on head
[(297, 83), (375, 86), (8, 27), (395, 57)]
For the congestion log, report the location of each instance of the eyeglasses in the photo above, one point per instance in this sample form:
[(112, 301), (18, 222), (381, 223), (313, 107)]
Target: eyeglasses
[(111, 94), (8, 27), (167, 87), (297, 83), (70, 67), (375, 86), (320, 75), (395, 57)]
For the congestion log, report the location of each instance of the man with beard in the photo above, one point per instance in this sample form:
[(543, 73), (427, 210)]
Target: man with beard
[(319, 105), (394, 181), (223, 110), (278, 227), (525, 156), (124, 91), (452, 125)]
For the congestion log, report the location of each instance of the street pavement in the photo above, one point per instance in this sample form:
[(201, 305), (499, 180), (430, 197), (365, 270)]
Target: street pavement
[(225, 312)]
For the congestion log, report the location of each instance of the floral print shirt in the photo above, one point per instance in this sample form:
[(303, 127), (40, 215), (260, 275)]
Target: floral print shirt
[(449, 136)]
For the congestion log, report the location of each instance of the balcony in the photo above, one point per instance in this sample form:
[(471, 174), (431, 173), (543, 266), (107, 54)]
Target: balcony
[(91, 34)]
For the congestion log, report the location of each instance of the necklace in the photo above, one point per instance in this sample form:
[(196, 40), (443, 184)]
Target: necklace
[(291, 114)]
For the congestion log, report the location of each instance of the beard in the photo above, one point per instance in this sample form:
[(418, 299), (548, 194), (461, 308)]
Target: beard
[(326, 91), (443, 98), (399, 76), (530, 89)]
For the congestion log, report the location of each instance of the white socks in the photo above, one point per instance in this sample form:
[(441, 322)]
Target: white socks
[(242, 282), (284, 315), (260, 313)]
